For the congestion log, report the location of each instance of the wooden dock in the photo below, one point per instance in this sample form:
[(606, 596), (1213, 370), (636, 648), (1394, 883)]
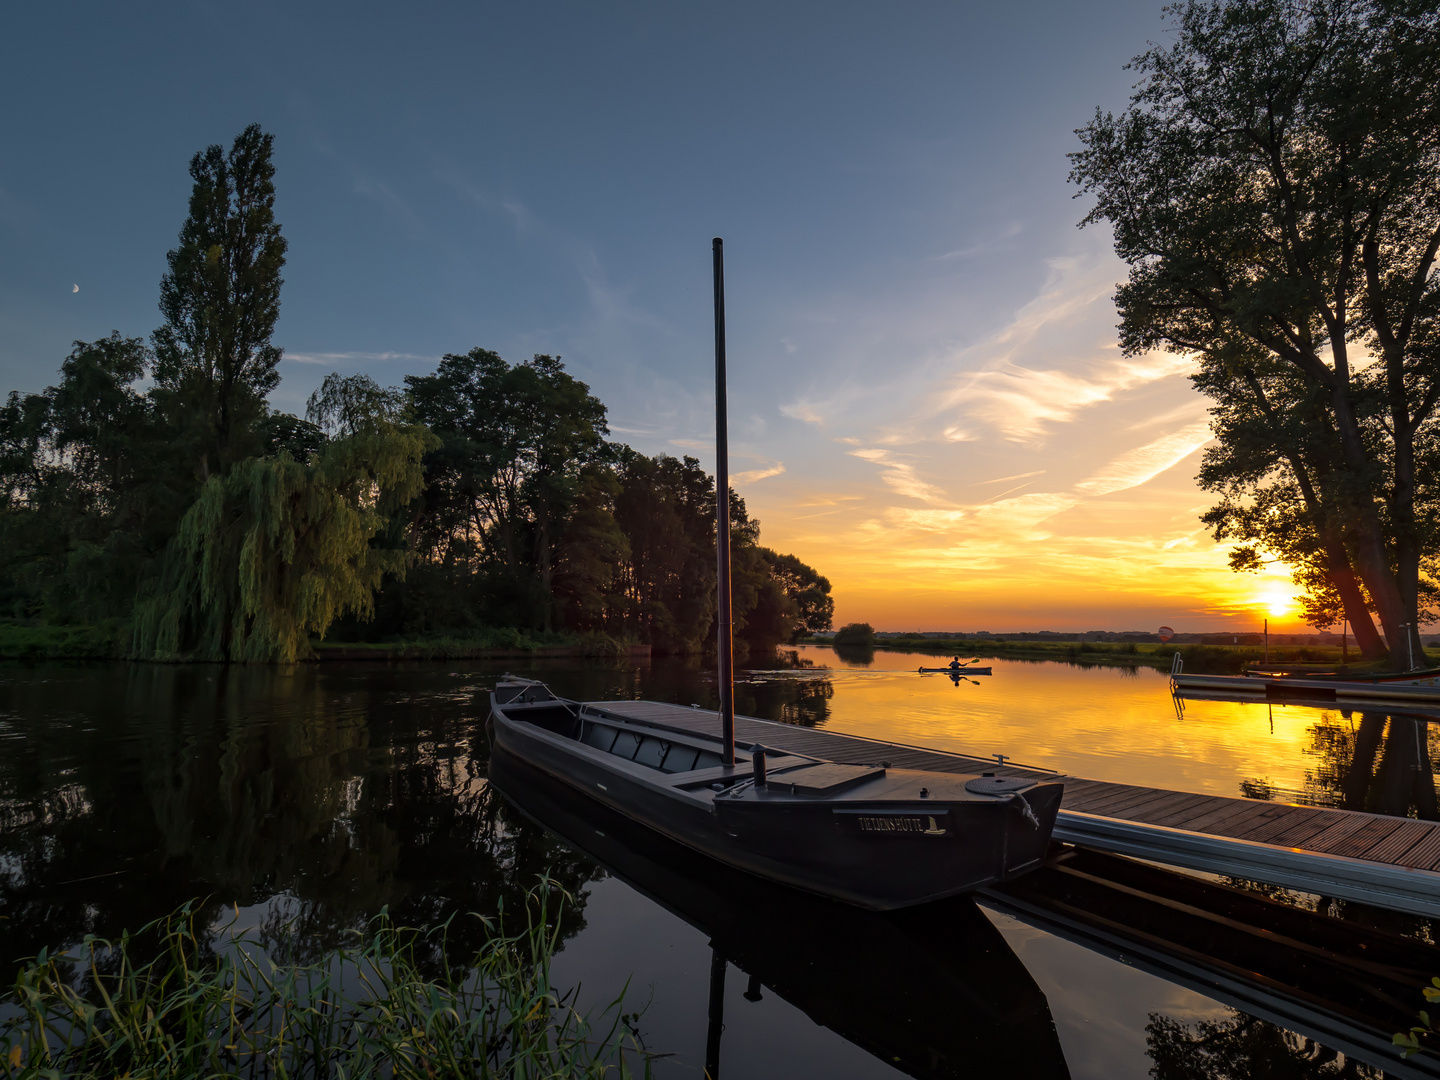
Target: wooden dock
[(1360, 692), (1387, 862)]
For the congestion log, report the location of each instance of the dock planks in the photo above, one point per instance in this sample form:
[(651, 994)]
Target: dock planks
[(1385, 861)]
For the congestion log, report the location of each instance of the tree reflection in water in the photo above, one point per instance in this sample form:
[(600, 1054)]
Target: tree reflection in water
[(319, 797), (1241, 1048), (1383, 764)]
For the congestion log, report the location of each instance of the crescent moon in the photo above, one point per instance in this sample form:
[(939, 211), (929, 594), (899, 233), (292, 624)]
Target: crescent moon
[(75, 288)]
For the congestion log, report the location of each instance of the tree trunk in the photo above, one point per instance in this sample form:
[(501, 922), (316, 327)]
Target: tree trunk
[(1371, 557), (1342, 576)]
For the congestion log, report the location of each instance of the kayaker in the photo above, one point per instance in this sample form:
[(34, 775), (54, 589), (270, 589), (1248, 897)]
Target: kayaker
[(955, 663)]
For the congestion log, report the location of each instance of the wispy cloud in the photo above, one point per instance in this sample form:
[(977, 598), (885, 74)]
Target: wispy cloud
[(750, 476), (1017, 476), (1023, 403), (354, 357), (901, 476), (1011, 382), (1135, 467), (806, 411), (610, 303)]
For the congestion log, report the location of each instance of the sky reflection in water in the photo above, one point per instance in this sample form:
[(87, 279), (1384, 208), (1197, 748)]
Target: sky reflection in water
[(325, 791)]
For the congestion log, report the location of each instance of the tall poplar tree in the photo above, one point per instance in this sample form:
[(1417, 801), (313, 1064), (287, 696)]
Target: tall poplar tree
[(214, 363)]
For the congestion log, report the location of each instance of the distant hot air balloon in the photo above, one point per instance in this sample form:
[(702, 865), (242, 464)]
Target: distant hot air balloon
[(1166, 633)]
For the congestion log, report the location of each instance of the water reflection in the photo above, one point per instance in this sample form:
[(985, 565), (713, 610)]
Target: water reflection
[(323, 792), (935, 992), (241, 785), (1242, 1046)]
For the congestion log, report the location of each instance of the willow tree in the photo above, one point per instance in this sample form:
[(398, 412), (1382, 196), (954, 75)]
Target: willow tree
[(276, 549), (1274, 187)]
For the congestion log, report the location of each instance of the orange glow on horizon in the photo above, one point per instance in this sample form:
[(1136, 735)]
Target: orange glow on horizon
[(1025, 563)]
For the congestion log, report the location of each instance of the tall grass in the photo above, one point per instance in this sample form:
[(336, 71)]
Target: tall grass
[(211, 1003)]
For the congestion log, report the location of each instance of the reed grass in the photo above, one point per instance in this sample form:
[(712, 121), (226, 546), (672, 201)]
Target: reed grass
[(212, 1003)]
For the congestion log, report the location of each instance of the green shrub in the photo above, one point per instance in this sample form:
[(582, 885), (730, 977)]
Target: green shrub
[(855, 633)]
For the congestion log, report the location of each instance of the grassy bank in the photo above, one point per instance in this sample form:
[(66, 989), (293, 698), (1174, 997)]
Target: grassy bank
[(111, 641), (178, 998), (102, 641), (478, 645), (1203, 659)]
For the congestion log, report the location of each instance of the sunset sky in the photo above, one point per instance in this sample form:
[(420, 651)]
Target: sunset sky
[(928, 403)]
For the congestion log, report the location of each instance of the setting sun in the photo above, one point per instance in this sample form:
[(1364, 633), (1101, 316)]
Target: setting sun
[(1276, 604)]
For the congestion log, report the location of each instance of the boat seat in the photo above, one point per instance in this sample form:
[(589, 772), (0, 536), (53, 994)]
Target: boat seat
[(681, 758), (651, 751), (626, 743), (600, 736)]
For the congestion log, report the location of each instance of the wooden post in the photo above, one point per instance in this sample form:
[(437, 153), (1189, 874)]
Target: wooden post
[(724, 629)]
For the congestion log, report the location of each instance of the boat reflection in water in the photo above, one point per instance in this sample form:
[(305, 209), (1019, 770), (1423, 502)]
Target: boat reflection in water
[(935, 992)]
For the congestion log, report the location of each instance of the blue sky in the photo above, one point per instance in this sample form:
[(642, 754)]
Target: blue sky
[(912, 310)]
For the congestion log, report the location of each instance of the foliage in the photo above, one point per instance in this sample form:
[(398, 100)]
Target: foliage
[(855, 633), (216, 1003), (90, 490), (1421, 1035), (214, 364), (276, 550), (104, 640), (345, 404), (1275, 189), (814, 606), (228, 531), (515, 444), (299, 438)]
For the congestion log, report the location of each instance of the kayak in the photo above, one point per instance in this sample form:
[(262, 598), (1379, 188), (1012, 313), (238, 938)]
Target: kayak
[(954, 671)]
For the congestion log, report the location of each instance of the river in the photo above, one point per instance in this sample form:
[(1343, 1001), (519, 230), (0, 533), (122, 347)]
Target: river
[(319, 793)]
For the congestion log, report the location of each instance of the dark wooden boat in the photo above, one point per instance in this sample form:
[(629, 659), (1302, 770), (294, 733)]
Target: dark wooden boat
[(870, 835), (940, 995), (867, 834)]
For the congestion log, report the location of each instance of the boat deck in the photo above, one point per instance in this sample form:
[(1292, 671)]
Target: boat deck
[(1385, 861)]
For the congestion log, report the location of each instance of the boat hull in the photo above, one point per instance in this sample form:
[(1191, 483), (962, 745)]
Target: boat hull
[(878, 854), (936, 1005)]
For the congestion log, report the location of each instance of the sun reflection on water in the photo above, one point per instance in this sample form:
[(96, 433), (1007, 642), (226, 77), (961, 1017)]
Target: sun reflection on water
[(1100, 722)]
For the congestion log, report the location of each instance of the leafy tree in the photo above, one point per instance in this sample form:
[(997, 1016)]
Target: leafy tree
[(346, 403), (666, 510), (276, 549), (1275, 189), (591, 557), (855, 633), (285, 432), (90, 494), (221, 298), (810, 592), (515, 442)]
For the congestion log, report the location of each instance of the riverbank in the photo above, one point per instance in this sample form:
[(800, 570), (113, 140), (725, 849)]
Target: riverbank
[(1203, 659), (110, 640)]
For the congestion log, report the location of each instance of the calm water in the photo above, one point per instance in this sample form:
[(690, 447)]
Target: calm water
[(324, 792)]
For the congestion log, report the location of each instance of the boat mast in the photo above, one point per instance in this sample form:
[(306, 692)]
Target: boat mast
[(723, 629)]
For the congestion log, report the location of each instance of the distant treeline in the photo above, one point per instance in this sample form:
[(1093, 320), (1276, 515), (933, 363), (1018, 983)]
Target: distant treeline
[(483, 494)]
